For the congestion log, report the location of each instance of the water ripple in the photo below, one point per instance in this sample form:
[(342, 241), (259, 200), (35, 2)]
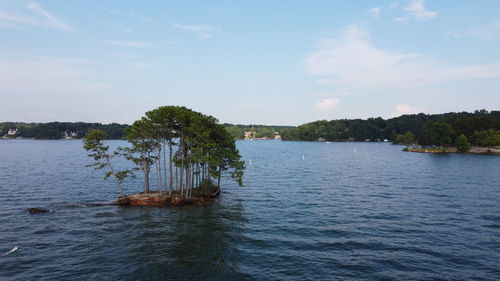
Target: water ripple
[(374, 214)]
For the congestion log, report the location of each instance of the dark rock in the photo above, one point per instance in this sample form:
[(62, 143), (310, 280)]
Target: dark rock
[(38, 210)]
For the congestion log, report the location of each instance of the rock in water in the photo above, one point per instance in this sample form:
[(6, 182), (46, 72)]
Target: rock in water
[(38, 210)]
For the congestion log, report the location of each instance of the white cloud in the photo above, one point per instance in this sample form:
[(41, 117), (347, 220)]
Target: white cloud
[(416, 10), (43, 18), (374, 12), (49, 19), (131, 44), (488, 31), (353, 63), (204, 31), (327, 104), (402, 109)]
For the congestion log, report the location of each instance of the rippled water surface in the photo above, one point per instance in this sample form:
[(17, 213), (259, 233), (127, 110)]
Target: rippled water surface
[(309, 211)]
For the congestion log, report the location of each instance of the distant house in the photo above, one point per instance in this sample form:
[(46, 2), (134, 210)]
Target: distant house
[(70, 135), (12, 132), (277, 136), (249, 135)]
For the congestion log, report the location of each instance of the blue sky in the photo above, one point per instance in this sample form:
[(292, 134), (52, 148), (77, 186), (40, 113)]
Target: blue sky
[(249, 62)]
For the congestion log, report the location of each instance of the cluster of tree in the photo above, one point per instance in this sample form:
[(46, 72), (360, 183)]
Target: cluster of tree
[(260, 131), (479, 128), (338, 130), (407, 138), (57, 130), (186, 149)]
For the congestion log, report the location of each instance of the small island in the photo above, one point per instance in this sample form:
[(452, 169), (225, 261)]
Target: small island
[(188, 152)]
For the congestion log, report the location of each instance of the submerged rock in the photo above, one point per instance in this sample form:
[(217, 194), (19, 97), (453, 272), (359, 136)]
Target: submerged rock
[(38, 210)]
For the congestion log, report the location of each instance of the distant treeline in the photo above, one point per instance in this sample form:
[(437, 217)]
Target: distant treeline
[(261, 131), (426, 129), (58, 130)]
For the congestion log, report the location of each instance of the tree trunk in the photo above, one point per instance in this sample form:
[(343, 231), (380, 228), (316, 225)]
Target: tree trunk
[(177, 178), (113, 173), (187, 179), (158, 167), (220, 175), (164, 165), (182, 163), (170, 163), (146, 177), (192, 179)]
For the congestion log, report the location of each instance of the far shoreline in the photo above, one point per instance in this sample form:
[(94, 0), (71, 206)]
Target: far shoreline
[(473, 150)]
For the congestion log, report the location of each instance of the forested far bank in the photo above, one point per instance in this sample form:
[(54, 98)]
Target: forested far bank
[(425, 129), (78, 130), (59, 130), (258, 131)]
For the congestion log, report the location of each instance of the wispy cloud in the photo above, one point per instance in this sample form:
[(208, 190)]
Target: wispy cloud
[(50, 19), (488, 31), (402, 109), (416, 10), (130, 44), (374, 12), (131, 15), (351, 62), (41, 18), (327, 105), (204, 31)]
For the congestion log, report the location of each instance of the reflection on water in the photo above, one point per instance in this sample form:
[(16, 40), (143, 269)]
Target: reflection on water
[(309, 211)]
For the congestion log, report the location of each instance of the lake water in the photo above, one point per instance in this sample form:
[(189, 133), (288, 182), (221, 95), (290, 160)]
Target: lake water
[(309, 211)]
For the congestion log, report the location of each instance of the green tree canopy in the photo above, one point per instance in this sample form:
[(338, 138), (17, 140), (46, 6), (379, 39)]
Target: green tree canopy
[(199, 150), (462, 144)]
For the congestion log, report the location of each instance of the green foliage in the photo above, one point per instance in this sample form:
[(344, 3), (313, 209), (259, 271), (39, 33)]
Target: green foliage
[(462, 144), (201, 140), (427, 129), (260, 131), (193, 140), (400, 139), (486, 138), (236, 132), (441, 133), (407, 138), (57, 130), (93, 142)]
